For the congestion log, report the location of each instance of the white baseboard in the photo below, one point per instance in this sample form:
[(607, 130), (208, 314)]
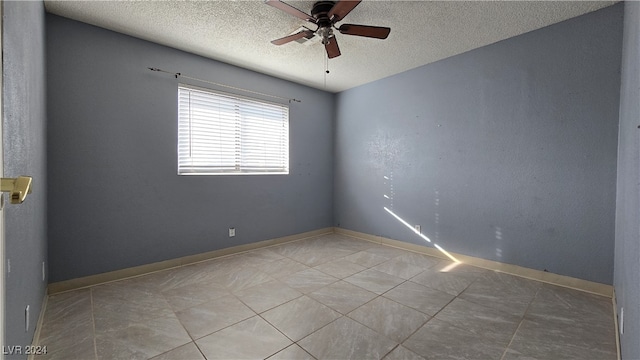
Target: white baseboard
[(543, 276), (614, 303), (87, 281), (36, 334)]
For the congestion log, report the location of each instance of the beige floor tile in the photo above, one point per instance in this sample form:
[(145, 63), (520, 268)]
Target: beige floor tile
[(242, 278), (350, 243), (440, 340), (185, 352), (68, 337), (398, 268), (342, 296), (68, 305), (495, 325), (291, 249), (389, 318), (316, 257), (547, 338), (386, 251), (402, 353), (419, 297), (374, 281), (253, 338), (366, 259), (283, 268), (212, 316), (68, 318), (127, 303), (347, 339), (139, 339), (340, 268), (419, 260), (69, 349), (177, 277), (267, 295), (308, 280), (503, 292), (299, 318), (293, 352), (191, 295), (569, 304), (261, 256), (451, 282)]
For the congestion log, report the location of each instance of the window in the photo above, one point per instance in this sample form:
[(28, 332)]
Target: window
[(221, 134)]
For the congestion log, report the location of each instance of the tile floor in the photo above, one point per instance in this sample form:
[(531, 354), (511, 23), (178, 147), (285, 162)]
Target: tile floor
[(328, 297)]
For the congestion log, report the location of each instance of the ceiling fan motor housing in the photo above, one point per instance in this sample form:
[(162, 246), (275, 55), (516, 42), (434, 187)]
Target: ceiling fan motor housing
[(320, 11)]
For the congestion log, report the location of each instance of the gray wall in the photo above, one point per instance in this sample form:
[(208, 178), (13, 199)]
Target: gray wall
[(116, 200), (627, 246), (507, 152), (24, 136)]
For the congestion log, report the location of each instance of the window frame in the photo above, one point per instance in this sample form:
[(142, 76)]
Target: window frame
[(247, 122)]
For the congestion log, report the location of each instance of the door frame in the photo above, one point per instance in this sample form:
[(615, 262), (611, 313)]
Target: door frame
[(2, 252)]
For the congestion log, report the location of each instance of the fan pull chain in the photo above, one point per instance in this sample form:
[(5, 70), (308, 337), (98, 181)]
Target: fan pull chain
[(326, 69)]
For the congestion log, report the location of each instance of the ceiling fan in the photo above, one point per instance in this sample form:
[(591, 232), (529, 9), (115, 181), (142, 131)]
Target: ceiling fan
[(325, 14)]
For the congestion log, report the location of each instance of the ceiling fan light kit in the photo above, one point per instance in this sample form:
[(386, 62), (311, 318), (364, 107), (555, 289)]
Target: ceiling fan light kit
[(325, 14)]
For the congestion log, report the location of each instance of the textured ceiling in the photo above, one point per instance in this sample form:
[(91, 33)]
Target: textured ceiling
[(239, 32)]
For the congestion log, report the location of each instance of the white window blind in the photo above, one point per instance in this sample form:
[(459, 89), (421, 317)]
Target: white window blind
[(222, 133)]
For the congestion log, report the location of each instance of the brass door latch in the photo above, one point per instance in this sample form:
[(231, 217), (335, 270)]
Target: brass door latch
[(18, 187)]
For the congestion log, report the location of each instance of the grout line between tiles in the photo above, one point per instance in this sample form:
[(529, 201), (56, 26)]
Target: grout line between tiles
[(520, 324), (275, 327), (374, 298), (395, 347), (382, 296), (452, 300), (93, 324), (318, 329), (434, 315), (213, 332), (447, 304), (200, 350)]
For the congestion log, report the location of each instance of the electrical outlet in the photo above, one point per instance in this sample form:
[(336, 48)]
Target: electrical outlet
[(232, 232), (621, 321), (417, 228)]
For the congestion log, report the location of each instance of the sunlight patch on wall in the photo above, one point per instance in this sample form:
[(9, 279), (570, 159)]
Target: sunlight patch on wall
[(446, 253)]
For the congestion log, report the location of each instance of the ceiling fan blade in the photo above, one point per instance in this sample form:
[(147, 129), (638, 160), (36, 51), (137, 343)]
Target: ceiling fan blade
[(332, 47), (377, 32), (341, 9), (290, 10), (296, 36)]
